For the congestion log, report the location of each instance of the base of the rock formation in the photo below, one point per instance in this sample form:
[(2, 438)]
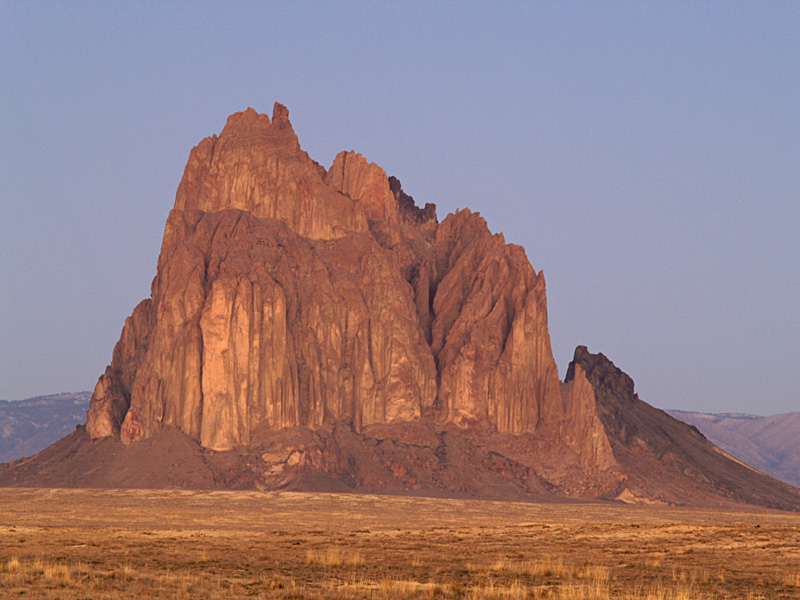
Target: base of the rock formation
[(336, 459), (659, 461)]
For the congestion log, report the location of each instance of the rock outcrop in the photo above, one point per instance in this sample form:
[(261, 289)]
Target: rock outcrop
[(257, 166), (663, 459), (287, 295), (316, 329)]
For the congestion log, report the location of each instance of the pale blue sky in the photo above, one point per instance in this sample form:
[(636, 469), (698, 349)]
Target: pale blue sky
[(646, 155)]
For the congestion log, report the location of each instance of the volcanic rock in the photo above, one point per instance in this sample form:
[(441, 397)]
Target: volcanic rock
[(316, 329), (290, 296), (664, 459)]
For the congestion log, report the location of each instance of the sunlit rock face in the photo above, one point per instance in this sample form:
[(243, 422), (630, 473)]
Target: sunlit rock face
[(584, 431), (257, 166), (287, 295)]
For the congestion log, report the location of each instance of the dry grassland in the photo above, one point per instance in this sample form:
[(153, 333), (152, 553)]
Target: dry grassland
[(104, 544)]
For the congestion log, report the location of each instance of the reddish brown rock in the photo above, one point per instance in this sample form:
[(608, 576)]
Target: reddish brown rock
[(366, 182), (584, 431), (313, 329), (255, 325), (290, 296), (489, 331), (257, 166), (664, 460)]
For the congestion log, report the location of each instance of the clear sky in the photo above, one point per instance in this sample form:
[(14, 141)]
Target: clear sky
[(646, 155)]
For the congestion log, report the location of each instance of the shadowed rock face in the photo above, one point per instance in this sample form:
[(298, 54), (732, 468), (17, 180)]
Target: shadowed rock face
[(288, 295), (662, 458)]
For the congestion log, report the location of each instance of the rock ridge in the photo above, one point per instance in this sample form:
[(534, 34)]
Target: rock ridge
[(663, 459)]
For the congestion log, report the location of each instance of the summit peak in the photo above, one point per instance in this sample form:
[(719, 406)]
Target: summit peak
[(280, 115)]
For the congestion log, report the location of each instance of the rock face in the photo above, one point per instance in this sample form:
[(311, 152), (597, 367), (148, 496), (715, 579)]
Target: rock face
[(288, 295), (662, 458), (257, 166)]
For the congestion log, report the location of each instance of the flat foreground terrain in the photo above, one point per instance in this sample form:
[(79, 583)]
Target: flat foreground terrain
[(98, 544)]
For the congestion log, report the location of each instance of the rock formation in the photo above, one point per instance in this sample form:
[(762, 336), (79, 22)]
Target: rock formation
[(666, 460), (288, 295), (316, 329)]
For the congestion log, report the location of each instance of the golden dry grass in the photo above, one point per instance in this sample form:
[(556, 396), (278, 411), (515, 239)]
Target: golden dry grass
[(84, 544)]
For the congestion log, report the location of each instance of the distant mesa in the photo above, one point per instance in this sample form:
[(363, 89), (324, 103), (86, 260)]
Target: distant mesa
[(316, 329)]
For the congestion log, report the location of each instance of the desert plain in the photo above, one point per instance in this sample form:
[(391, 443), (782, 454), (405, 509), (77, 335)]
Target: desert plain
[(103, 544)]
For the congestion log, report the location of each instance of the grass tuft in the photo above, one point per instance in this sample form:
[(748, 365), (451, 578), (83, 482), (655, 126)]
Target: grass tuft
[(334, 557)]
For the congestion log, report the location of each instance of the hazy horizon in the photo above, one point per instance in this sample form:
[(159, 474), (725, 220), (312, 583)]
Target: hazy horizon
[(645, 156)]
